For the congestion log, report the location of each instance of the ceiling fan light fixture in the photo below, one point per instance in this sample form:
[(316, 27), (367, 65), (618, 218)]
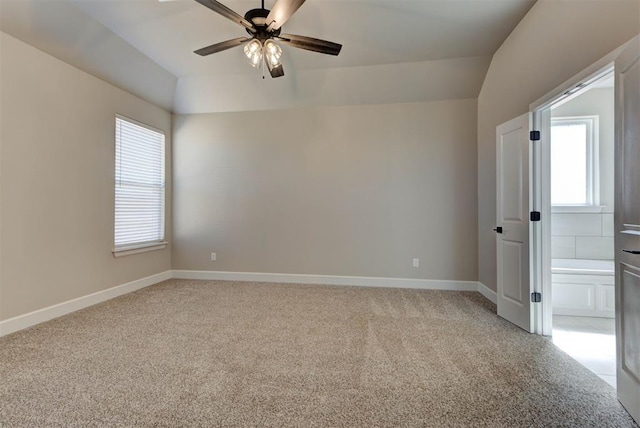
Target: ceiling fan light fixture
[(272, 53), (253, 51), (264, 26)]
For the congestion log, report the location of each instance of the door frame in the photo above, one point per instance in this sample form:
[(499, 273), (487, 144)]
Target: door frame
[(541, 181)]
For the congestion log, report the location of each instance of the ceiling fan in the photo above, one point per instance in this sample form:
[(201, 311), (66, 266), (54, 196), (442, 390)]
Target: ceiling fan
[(264, 28)]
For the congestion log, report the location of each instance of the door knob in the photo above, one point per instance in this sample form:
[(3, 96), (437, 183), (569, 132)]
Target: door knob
[(632, 251), (497, 229)]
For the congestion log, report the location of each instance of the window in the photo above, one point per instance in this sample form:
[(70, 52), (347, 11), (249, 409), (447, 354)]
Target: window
[(139, 188), (574, 162)]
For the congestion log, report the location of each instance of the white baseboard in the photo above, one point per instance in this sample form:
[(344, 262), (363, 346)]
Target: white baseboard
[(27, 320), (36, 317), (488, 293), (362, 281)]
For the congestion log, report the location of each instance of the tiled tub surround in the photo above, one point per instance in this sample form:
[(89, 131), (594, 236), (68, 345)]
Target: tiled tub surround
[(582, 236)]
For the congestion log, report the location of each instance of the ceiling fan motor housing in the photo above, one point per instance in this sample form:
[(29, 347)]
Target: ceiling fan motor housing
[(259, 19)]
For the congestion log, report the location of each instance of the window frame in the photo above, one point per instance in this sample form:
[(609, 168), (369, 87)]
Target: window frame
[(592, 167), (140, 247)]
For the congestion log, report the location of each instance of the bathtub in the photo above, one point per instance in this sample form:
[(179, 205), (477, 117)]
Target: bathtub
[(583, 287), (583, 267)]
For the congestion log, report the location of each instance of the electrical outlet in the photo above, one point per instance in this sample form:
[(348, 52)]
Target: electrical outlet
[(213, 257), (416, 262)]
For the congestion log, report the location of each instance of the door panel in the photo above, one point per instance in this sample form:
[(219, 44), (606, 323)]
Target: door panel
[(627, 226), (513, 168), (512, 256), (512, 171), (630, 321)]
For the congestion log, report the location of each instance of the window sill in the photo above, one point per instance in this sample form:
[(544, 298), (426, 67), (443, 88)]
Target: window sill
[(128, 250), (576, 209)]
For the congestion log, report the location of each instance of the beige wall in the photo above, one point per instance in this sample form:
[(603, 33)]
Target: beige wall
[(358, 190), (556, 40), (56, 182)]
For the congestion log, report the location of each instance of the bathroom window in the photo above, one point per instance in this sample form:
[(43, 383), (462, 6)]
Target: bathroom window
[(574, 164)]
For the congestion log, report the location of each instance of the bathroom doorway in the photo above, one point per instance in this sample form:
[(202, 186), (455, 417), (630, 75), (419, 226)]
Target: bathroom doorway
[(581, 182)]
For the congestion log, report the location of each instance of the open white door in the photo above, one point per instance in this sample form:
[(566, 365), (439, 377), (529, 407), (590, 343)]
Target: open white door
[(627, 226), (513, 152)]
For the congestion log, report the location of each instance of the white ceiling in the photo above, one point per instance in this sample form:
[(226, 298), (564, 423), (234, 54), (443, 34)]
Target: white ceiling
[(420, 37)]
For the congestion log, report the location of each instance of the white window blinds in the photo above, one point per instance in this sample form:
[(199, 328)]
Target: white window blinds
[(139, 204)]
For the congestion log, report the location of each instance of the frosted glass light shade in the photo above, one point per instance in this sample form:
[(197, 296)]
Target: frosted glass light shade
[(253, 51), (272, 53)]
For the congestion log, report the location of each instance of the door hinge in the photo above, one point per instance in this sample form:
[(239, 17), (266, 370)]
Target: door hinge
[(536, 297), (534, 135), (535, 216)]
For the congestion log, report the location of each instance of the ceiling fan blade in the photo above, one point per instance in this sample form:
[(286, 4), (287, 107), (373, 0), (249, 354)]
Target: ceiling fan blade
[(276, 71), (223, 10), (310, 44), (222, 46), (281, 12)]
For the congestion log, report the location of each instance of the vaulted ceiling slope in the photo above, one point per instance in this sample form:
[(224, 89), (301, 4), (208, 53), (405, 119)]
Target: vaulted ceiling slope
[(393, 50), (61, 29)]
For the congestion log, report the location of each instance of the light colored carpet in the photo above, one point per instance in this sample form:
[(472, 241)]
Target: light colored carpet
[(208, 353)]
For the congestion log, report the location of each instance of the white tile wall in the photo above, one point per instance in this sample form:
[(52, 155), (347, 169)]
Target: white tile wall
[(576, 225), (600, 248), (607, 224), (582, 236), (563, 247)]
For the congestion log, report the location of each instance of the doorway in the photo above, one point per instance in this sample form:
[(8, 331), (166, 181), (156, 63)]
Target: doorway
[(585, 296), (579, 268)]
